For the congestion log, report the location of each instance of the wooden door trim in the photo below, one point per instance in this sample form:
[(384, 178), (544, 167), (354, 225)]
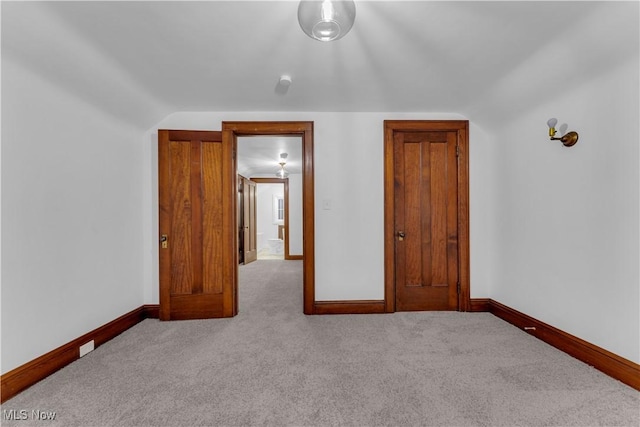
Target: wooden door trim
[(284, 181), (461, 127), (230, 132)]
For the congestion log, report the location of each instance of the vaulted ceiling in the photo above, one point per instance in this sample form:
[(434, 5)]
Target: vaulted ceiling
[(141, 61)]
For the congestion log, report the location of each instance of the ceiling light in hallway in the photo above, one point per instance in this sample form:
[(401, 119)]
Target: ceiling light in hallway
[(282, 173)]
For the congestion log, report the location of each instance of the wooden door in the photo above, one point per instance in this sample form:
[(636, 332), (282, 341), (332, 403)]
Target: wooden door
[(197, 226), (240, 220), (250, 233), (426, 219)]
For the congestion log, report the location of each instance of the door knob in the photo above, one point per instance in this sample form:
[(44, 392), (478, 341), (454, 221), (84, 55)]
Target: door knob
[(400, 235)]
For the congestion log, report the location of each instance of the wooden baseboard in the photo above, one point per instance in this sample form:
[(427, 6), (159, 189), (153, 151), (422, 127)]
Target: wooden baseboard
[(23, 377), (611, 364), (349, 307), (479, 305), (294, 257), (152, 311)]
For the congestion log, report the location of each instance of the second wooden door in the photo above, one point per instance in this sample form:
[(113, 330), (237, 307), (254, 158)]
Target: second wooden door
[(425, 223)]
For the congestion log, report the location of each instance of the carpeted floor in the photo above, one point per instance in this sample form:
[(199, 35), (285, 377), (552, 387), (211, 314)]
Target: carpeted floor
[(266, 254), (271, 365)]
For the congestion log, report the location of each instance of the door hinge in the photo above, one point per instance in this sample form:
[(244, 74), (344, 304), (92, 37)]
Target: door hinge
[(457, 151), (458, 287)]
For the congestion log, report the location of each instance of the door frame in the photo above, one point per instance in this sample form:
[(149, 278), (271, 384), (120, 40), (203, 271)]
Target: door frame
[(285, 182), (230, 133), (461, 127)]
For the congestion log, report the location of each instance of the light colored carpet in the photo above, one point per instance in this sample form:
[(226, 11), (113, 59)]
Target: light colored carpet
[(266, 254), (272, 365)]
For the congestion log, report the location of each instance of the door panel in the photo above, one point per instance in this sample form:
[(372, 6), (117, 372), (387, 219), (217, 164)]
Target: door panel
[(239, 220), (249, 221), (196, 267), (180, 228), (212, 239), (426, 220)]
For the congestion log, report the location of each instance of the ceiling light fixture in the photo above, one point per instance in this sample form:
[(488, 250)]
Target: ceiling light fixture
[(569, 139), (282, 173), (326, 20)]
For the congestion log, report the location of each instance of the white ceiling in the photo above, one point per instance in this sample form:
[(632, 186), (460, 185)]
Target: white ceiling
[(141, 61), (258, 156)]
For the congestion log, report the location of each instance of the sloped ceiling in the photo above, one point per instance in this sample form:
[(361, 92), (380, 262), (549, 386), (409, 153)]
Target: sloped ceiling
[(141, 61)]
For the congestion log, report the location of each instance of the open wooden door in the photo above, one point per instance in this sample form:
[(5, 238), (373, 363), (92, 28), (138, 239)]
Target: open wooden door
[(250, 233), (197, 225)]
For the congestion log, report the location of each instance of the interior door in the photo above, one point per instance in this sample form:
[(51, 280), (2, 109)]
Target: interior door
[(197, 226), (426, 220), (250, 234), (240, 220)]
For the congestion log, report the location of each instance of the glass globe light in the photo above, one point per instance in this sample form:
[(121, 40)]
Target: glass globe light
[(326, 20), (282, 173)]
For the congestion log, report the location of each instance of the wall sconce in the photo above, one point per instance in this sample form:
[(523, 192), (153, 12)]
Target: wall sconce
[(569, 139)]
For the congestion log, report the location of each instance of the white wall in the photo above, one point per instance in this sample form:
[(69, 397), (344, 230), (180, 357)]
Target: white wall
[(567, 243), (71, 216), (348, 160)]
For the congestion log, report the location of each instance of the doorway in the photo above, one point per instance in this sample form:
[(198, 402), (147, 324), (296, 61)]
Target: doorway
[(426, 215), (272, 223), (273, 164), (198, 224), (231, 131)]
